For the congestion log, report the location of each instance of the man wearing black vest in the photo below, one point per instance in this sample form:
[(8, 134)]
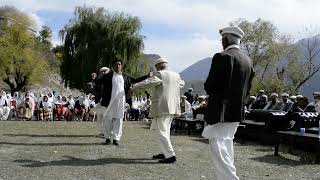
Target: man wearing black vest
[(115, 87), (228, 84)]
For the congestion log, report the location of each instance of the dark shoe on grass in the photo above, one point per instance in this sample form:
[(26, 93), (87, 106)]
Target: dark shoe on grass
[(158, 156), (108, 141), (115, 142), (168, 160)]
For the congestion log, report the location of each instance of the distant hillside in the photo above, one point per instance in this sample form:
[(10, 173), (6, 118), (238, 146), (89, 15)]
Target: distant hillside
[(197, 71), (149, 59)]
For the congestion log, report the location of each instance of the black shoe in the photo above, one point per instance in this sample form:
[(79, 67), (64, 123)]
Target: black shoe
[(108, 141), (115, 142), (168, 160), (158, 156)]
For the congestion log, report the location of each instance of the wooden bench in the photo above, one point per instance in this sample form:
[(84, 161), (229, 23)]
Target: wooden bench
[(181, 122), (293, 137)]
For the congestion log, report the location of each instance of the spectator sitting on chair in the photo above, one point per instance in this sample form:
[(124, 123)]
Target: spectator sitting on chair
[(314, 106), (185, 106), (45, 109), (250, 102), (189, 95), (261, 100), (286, 103), (4, 106), (293, 99), (201, 108), (274, 103)]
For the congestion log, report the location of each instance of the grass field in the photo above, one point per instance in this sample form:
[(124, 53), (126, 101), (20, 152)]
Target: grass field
[(71, 150)]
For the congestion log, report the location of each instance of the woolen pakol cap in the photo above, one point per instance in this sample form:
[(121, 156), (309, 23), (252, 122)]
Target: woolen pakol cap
[(160, 60), (235, 30)]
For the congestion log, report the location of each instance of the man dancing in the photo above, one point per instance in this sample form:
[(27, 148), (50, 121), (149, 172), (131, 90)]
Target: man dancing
[(165, 105), (115, 87)]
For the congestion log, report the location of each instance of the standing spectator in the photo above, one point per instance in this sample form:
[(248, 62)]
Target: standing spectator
[(189, 95), (228, 84)]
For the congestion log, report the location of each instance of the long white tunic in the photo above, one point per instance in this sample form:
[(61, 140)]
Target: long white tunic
[(115, 108)]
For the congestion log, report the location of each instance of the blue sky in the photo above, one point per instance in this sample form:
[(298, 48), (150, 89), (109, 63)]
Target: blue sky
[(183, 31)]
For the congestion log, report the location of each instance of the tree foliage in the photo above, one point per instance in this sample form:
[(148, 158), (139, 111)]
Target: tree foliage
[(94, 38), (275, 59), (22, 61)]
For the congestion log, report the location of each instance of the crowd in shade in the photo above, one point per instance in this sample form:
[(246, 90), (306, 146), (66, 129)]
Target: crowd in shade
[(53, 107), (286, 103)]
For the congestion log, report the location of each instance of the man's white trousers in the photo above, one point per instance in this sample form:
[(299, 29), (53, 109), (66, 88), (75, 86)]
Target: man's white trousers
[(162, 124), (221, 137), (113, 128)]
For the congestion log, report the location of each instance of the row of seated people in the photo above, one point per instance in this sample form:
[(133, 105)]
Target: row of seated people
[(297, 103), (47, 107)]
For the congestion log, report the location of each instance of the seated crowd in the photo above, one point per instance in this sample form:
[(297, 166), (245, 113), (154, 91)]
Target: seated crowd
[(50, 106), (287, 103)]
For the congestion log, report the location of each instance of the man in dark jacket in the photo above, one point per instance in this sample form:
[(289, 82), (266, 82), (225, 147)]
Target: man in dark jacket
[(115, 87), (228, 84)]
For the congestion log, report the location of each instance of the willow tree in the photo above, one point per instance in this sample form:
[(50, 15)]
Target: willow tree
[(94, 38), (22, 61)]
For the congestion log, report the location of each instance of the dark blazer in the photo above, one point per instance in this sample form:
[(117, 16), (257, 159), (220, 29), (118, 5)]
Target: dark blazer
[(106, 84), (228, 84)]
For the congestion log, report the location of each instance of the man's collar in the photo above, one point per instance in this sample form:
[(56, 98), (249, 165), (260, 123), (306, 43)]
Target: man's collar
[(233, 46), (120, 73)]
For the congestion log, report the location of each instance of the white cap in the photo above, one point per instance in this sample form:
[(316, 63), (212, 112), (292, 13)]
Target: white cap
[(274, 94), (184, 97), (201, 97), (261, 91), (160, 60), (190, 89), (235, 30), (285, 95), (104, 69), (316, 94)]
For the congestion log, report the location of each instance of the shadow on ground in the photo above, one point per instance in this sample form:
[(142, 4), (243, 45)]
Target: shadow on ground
[(278, 160), (49, 135), (73, 161), (202, 140), (50, 144)]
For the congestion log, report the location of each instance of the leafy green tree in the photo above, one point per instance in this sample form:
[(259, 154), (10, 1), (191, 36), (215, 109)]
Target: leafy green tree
[(22, 61), (274, 58), (94, 38)]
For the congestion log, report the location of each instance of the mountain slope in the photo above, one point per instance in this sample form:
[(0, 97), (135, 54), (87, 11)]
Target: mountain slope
[(197, 71)]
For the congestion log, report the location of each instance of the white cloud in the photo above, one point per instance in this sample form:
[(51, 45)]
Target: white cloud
[(203, 17), (182, 52)]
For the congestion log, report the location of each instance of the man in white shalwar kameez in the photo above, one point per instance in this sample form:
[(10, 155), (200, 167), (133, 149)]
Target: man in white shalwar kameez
[(4, 106), (165, 105), (115, 86), (228, 84)]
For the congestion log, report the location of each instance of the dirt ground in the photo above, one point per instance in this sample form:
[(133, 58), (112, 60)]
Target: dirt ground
[(71, 150)]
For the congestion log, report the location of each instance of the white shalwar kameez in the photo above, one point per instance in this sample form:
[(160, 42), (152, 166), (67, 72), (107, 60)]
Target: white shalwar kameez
[(115, 110), (221, 137), (4, 107)]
